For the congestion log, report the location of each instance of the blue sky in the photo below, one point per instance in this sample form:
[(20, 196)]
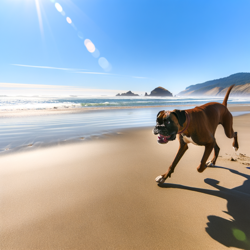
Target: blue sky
[(130, 44)]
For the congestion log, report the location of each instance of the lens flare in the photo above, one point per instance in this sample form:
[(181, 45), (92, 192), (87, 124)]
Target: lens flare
[(103, 62), (89, 45), (68, 20), (58, 7), (80, 35), (239, 235), (96, 53)]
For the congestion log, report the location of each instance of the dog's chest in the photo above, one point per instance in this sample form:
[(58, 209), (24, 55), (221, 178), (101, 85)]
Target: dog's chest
[(188, 140)]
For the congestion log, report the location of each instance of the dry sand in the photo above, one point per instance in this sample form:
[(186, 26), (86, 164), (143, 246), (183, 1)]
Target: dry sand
[(101, 194)]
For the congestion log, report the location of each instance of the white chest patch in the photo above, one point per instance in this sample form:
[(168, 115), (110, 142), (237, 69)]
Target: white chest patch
[(188, 140)]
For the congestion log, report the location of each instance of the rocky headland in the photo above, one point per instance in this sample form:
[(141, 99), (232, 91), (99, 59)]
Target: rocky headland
[(129, 93), (159, 91)]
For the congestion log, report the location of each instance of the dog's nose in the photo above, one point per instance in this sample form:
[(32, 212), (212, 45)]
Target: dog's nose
[(155, 131), (160, 126)]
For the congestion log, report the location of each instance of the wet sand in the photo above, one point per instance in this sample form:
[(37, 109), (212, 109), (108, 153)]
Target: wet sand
[(101, 194), (31, 112)]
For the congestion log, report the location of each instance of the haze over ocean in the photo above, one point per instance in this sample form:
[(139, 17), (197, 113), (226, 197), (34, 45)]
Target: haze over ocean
[(8, 103)]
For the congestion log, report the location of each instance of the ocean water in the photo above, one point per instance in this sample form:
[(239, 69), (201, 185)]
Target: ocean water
[(21, 133), (37, 102)]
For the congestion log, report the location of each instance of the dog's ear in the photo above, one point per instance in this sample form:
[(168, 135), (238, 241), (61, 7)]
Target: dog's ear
[(160, 114), (180, 115), (159, 117)]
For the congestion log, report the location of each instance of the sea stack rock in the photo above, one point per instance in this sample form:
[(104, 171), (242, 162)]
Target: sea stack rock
[(129, 93), (160, 91)]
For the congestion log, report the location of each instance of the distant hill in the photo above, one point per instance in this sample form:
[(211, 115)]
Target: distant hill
[(129, 93), (160, 91), (239, 90), (218, 87)]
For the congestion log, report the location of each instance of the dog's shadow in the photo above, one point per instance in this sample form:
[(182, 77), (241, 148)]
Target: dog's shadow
[(231, 233)]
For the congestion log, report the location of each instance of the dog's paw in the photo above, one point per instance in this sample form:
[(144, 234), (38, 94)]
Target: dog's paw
[(235, 149), (209, 164), (160, 179)]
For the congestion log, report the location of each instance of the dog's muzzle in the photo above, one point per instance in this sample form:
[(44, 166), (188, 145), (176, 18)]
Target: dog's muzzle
[(163, 136), (163, 139)]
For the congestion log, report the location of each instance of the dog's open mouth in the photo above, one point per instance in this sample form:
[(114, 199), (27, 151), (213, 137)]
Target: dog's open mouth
[(162, 139)]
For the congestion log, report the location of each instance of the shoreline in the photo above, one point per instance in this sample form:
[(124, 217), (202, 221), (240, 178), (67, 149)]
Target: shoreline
[(53, 131), (21, 133), (53, 111)]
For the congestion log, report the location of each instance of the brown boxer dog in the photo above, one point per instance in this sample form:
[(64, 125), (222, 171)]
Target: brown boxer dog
[(197, 126)]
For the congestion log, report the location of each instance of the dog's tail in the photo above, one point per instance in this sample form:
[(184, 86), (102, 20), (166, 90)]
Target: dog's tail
[(227, 95)]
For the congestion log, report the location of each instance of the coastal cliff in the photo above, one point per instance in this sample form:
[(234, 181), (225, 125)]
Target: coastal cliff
[(218, 87)]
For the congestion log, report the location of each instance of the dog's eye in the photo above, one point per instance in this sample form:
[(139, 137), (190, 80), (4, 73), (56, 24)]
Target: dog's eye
[(168, 122)]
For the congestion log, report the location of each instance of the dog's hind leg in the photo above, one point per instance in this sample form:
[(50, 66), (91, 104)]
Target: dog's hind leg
[(208, 149), (216, 154), (235, 142), (228, 128)]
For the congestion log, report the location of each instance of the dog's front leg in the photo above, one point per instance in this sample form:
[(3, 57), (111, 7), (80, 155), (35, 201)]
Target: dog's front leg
[(182, 149)]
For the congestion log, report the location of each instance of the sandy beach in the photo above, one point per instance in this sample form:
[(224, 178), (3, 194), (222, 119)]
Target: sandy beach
[(102, 194)]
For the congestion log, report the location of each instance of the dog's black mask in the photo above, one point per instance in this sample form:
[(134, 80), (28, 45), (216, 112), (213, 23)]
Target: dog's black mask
[(165, 127)]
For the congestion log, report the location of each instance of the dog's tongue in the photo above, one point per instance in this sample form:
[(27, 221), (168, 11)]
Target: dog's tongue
[(163, 138)]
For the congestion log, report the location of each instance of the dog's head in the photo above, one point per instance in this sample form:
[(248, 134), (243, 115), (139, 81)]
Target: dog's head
[(167, 125)]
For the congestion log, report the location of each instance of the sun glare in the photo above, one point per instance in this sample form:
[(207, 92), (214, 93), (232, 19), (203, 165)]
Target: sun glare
[(39, 15), (102, 61)]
